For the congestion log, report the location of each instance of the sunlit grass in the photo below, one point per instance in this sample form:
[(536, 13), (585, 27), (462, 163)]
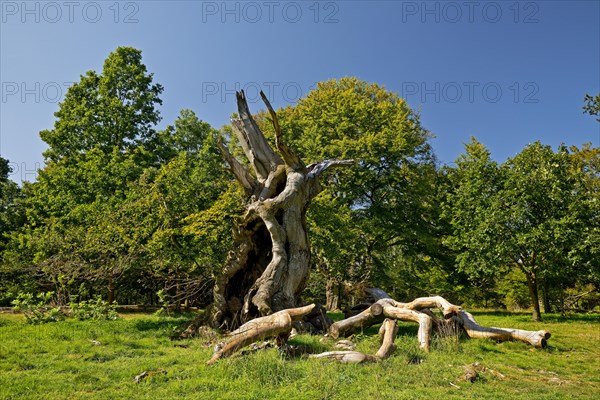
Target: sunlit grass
[(84, 359)]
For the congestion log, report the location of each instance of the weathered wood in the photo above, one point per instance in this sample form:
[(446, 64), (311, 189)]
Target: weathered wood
[(368, 317), (474, 330), (419, 311), (387, 333), (391, 310), (438, 302), (269, 263), (354, 357), (278, 324)]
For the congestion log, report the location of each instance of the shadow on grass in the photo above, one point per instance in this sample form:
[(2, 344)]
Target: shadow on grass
[(144, 325)]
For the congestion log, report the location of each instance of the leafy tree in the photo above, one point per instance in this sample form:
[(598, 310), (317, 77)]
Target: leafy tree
[(585, 213), (99, 146), (592, 105), (11, 219), (472, 186), (114, 109), (386, 200), (521, 214), (10, 213), (171, 207)]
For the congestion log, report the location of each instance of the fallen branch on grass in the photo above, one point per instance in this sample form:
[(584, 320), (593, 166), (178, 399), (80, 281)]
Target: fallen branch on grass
[(386, 310)]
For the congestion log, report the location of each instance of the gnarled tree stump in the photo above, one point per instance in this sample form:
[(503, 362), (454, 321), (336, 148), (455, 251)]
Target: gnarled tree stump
[(268, 266)]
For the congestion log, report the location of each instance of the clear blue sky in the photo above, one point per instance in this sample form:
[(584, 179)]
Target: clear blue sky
[(507, 72)]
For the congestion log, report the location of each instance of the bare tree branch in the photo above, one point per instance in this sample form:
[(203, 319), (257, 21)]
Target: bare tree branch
[(291, 160), (238, 170)]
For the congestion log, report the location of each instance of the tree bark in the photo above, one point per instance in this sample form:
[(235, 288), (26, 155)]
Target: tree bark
[(353, 357), (474, 330), (546, 296), (333, 292), (387, 333), (533, 295), (370, 316), (267, 268), (278, 324), (111, 289)]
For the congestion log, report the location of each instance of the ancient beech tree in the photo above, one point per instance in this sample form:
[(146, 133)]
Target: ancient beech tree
[(269, 263)]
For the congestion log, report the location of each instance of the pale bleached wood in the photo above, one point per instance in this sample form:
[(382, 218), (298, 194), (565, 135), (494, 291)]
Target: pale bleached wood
[(354, 357), (474, 330), (368, 317), (403, 314), (266, 273), (421, 303), (419, 311), (387, 333), (278, 324)]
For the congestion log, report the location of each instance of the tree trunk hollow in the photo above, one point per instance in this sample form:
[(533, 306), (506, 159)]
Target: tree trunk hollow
[(267, 268)]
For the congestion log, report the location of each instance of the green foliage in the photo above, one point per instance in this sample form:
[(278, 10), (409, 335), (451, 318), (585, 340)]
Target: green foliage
[(123, 208), (114, 109), (111, 203), (10, 211), (527, 213), (163, 300), (97, 149), (592, 105), (512, 287), (387, 199), (95, 310), (38, 309)]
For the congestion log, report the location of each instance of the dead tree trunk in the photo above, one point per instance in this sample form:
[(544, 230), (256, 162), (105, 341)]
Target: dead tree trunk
[(269, 263)]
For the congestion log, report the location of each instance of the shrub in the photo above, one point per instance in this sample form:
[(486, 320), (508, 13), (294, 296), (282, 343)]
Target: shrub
[(38, 309), (163, 299), (96, 310)]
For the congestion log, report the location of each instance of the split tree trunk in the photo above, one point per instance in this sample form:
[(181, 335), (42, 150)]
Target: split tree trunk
[(267, 268)]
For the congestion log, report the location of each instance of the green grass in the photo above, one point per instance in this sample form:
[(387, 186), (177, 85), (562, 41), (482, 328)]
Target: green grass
[(60, 361)]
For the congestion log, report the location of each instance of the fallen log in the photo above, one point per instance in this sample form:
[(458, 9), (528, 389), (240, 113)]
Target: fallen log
[(419, 311), (278, 324), (375, 314), (476, 331), (403, 314), (354, 357)]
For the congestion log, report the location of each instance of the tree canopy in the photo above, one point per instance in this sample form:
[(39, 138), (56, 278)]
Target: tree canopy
[(126, 210)]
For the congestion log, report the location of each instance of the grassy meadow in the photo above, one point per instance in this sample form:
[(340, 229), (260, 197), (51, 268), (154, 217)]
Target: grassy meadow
[(99, 360)]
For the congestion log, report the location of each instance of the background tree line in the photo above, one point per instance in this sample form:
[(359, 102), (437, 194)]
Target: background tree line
[(140, 215)]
